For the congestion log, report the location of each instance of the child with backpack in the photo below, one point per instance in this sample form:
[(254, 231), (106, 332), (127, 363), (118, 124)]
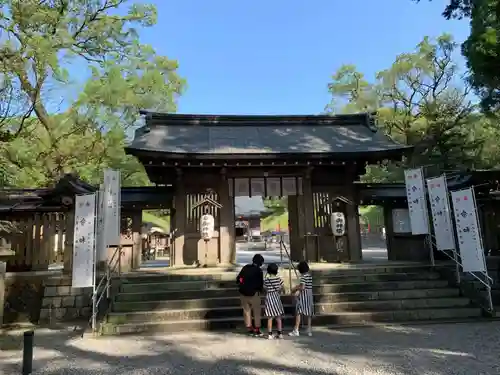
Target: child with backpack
[(273, 307), (250, 283), (305, 299)]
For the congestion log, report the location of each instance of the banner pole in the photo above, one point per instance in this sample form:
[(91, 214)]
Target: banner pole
[(481, 246), (455, 250), (426, 211), (94, 279)]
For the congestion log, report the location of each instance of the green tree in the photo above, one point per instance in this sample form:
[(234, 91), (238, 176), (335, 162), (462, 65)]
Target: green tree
[(419, 102), (482, 47), (40, 41)]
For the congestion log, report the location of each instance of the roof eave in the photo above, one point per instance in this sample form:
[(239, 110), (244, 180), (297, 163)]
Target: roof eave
[(392, 154)]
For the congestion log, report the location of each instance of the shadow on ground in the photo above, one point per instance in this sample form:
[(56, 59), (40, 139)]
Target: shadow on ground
[(432, 349)]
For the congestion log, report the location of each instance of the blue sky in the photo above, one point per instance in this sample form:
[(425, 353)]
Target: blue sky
[(277, 56)]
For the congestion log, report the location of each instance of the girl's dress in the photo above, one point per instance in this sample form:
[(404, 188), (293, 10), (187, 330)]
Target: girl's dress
[(305, 300), (273, 306)]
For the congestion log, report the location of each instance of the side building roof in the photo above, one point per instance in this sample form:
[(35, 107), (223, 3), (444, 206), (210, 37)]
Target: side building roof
[(234, 136)]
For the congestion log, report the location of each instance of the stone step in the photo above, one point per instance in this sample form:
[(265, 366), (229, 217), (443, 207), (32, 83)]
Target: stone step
[(211, 312), (211, 284), (155, 292), (206, 302), (151, 277), (340, 318)]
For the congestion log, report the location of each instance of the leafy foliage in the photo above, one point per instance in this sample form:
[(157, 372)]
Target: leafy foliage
[(40, 39), (419, 102), (481, 49)]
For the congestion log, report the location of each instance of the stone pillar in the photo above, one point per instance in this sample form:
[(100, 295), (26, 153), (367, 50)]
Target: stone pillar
[(68, 245), (179, 224), (3, 270), (136, 239), (227, 253)]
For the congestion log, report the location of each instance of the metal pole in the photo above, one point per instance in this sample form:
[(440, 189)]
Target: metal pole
[(108, 276), (94, 279), (290, 272), (281, 249), (431, 249), (457, 266), (28, 352), (490, 299)]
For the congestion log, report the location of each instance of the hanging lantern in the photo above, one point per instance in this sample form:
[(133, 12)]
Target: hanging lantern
[(207, 223), (338, 224)]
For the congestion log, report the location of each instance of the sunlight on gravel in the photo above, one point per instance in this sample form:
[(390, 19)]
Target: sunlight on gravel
[(383, 350)]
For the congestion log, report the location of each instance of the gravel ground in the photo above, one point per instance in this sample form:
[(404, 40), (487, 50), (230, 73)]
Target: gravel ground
[(384, 350)]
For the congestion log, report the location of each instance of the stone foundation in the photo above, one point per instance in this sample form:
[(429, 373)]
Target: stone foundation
[(61, 302)]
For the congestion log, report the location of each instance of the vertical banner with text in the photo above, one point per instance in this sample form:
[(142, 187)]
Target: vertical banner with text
[(441, 213), (112, 203), (417, 204), (84, 241), (468, 233)]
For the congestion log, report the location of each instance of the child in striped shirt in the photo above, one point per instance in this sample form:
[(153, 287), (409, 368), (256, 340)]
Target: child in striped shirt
[(305, 299), (273, 308)]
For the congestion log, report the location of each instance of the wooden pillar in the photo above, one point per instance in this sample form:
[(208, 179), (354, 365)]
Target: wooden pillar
[(179, 222), (227, 253), (352, 219), (389, 229), (294, 228), (310, 242), (136, 239), (68, 243), (353, 232), (3, 270)]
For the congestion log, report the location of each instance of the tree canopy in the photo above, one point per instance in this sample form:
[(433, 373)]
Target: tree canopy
[(421, 101), (48, 47), (482, 47)]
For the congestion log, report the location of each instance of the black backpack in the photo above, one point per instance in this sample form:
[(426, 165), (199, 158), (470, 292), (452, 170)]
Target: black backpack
[(247, 283)]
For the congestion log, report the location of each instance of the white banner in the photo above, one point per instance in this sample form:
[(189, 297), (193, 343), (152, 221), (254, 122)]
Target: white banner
[(441, 214), (289, 186), (273, 187), (401, 220), (241, 187), (258, 187), (112, 203), (469, 236), (101, 248), (84, 241), (417, 205)]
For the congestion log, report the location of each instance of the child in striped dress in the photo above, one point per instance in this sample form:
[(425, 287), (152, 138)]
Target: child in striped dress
[(273, 307), (305, 299)]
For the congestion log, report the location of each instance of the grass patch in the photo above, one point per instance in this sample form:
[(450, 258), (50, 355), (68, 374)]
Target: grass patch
[(160, 222), (271, 222)]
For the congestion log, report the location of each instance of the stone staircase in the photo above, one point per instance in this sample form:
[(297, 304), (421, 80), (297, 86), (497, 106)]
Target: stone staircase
[(174, 303)]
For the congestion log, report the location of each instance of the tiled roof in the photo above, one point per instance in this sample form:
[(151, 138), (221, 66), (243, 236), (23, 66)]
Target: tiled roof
[(226, 135)]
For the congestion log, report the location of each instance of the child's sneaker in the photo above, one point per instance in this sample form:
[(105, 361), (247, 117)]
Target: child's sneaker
[(258, 333), (279, 336), (309, 333), (270, 336), (294, 333)]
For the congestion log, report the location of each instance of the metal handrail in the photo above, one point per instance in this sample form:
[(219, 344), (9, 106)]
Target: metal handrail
[(487, 277), (97, 294), (291, 265)]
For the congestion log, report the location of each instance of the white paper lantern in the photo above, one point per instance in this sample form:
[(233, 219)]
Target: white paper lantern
[(338, 224), (207, 223)]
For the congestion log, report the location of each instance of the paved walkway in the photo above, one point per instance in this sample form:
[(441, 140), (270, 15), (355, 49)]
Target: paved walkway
[(449, 349)]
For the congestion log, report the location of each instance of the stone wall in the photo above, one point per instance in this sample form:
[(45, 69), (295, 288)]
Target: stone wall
[(61, 302), (23, 296)]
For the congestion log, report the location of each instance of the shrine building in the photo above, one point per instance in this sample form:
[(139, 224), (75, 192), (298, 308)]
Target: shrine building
[(313, 160)]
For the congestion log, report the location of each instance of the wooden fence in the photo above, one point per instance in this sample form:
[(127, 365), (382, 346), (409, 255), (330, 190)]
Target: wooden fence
[(39, 242)]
